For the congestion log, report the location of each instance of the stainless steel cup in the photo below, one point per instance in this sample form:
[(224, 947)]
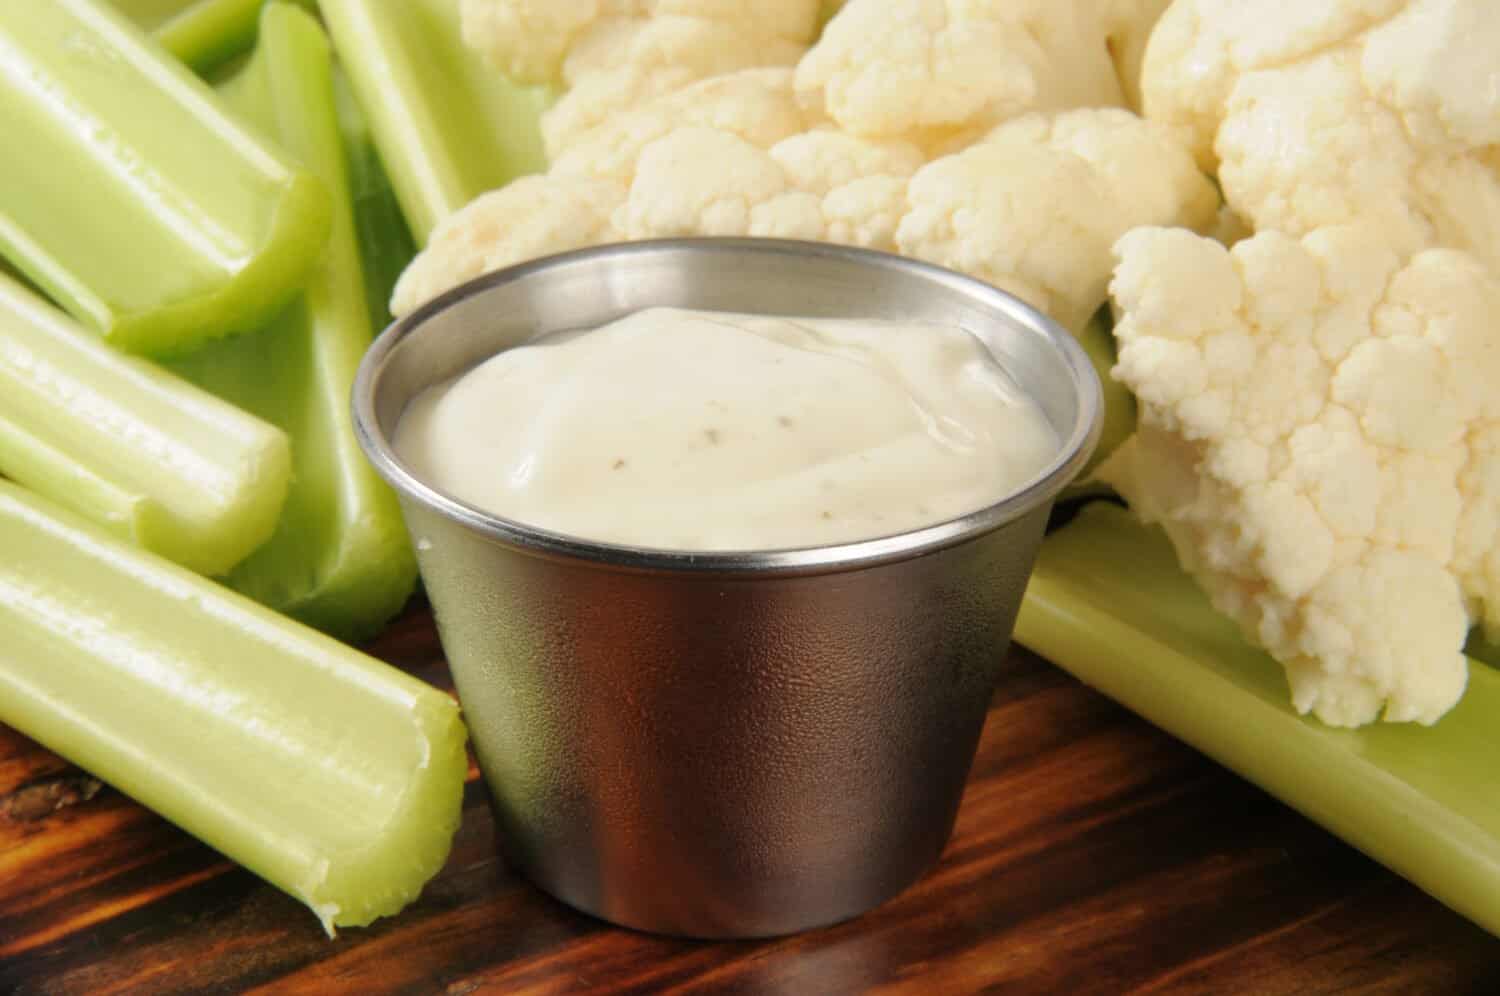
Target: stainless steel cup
[(723, 744)]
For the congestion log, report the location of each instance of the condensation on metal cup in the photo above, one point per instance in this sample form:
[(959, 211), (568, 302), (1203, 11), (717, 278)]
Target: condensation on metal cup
[(735, 744)]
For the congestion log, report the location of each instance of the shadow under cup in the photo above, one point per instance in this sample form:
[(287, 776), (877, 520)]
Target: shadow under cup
[(723, 744)]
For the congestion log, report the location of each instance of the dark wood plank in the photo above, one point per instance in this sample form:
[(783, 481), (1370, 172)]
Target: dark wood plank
[(1092, 854)]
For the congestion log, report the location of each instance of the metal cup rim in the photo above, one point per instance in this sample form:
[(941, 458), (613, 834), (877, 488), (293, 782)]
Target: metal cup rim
[(1041, 489)]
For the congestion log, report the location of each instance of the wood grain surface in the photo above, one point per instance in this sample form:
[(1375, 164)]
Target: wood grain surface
[(1093, 854)]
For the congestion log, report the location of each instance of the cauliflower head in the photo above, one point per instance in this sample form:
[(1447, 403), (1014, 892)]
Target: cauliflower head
[(623, 63), (820, 185), (531, 41), (1319, 435), (1036, 206), (529, 217), (930, 70), (1376, 111), (757, 105)]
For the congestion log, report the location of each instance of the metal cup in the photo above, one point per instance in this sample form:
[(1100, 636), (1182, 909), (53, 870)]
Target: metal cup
[(723, 744)]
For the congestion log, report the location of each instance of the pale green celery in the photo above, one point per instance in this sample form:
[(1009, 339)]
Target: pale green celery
[(131, 196), (340, 559), (1098, 341), (202, 33), (385, 243), (448, 126), (329, 774), (150, 457), (1109, 604)]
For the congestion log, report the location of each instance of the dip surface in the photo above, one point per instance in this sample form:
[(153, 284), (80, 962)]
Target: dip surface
[(696, 430)]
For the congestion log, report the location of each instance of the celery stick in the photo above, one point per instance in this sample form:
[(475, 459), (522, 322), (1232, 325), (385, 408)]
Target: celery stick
[(129, 194), (1108, 603), (152, 458), (331, 775), (202, 33), (448, 126), (1098, 341), (340, 559), (385, 243)]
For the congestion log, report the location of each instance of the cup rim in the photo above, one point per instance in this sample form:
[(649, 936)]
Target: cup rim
[(1042, 488)]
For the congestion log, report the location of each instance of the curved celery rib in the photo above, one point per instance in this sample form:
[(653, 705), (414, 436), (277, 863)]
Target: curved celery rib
[(140, 205), (202, 33), (1108, 603), (340, 559), (329, 774), (448, 126), (1098, 341), (151, 457)]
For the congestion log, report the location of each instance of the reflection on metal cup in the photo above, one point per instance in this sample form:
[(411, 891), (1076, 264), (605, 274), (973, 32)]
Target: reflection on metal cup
[(723, 744)]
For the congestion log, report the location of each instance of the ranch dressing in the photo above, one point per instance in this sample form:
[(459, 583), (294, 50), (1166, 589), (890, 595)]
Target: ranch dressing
[(693, 430)]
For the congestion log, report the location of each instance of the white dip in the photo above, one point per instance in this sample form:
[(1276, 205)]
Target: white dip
[(695, 430)]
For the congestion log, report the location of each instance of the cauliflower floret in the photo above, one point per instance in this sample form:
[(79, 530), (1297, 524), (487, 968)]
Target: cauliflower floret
[(1128, 27), (623, 63), (1377, 111), (531, 40), (528, 40), (1036, 206), (823, 160), (756, 104), (530, 217), (1200, 48), (818, 186), (927, 70), (1307, 146), (1318, 430), (698, 181)]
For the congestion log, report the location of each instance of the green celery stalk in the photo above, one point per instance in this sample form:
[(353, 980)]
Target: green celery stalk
[(448, 126), (1098, 341), (153, 459), (1108, 603), (340, 559), (333, 776), (385, 243), (130, 195), (202, 33)]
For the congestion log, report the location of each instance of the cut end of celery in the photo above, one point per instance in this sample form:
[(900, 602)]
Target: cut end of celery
[(250, 298), (1108, 603), (333, 776), (356, 889)]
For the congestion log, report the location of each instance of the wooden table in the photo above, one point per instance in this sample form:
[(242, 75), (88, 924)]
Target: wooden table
[(1093, 854)]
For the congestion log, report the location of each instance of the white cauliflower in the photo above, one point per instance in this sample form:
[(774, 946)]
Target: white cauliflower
[(1320, 438), (1377, 112), (531, 40), (1200, 48), (1128, 25), (758, 105), (529, 217), (1036, 206), (930, 70), (623, 63), (820, 186)]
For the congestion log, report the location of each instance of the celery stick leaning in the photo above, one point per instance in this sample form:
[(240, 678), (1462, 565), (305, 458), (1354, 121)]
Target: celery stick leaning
[(340, 559), (202, 33), (331, 775), (1108, 603), (448, 126), (150, 457), (139, 203)]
